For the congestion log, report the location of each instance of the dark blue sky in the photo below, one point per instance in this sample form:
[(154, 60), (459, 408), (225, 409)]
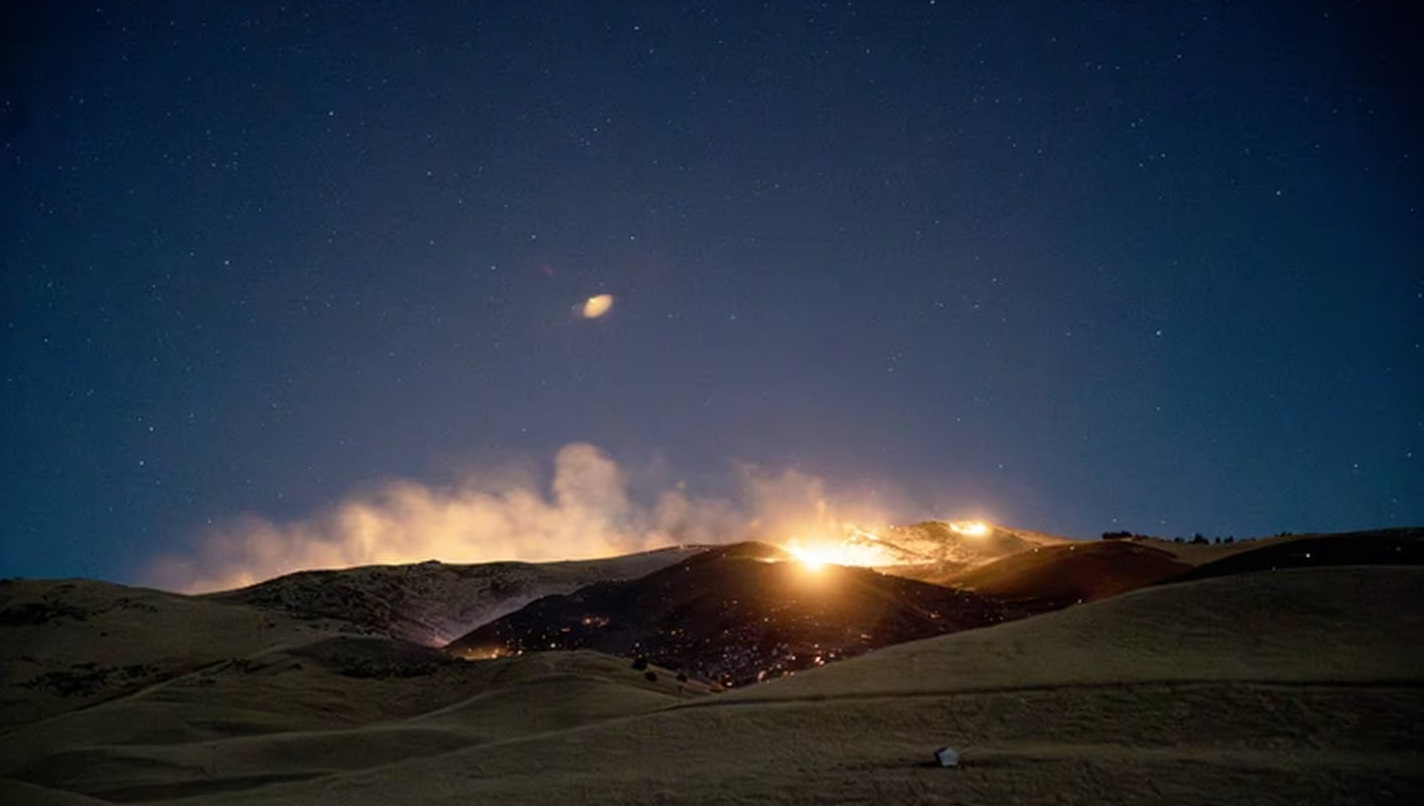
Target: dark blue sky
[(1156, 266)]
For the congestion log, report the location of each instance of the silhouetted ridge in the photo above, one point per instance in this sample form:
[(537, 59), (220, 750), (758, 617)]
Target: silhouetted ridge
[(747, 550), (1049, 577), (1376, 547)]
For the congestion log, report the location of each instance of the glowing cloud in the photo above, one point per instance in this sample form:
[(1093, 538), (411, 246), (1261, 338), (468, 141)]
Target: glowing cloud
[(595, 307), (506, 516), (585, 510)]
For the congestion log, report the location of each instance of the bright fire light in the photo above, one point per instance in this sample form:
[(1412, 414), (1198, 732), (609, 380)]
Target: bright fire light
[(813, 557), (859, 547), (970, 528), (848, 544)]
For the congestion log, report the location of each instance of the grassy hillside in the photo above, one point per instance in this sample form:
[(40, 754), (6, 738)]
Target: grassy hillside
[(1298, 686)]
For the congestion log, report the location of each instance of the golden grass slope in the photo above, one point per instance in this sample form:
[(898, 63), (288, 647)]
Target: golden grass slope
[(1338, 625), (1299, 686), (1070, 573), (124, 694), (69, 644), (1292, 687), (336, 705)]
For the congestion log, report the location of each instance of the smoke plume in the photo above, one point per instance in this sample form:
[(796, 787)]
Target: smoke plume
[(586, 511)]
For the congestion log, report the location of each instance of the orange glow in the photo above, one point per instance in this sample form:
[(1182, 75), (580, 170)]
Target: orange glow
[(813, 557), (858, 547), (970, 528), (484, 653)]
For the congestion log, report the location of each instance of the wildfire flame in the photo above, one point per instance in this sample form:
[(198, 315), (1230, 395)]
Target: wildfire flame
[(486, 653), (970, 528), (862, 547), (858, 547)]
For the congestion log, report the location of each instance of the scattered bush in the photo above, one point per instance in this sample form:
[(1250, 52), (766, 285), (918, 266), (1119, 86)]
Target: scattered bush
[(639, 664), (85, 679), (32, 613), (651, 676)]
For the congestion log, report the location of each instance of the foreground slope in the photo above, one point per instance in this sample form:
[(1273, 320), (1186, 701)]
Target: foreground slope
[(116, 693), (1340, 625), (339, 704), (1287, 687), (71, 644)]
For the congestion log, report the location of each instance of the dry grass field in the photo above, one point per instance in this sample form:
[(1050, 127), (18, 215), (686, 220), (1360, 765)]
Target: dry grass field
[(1300, 686)]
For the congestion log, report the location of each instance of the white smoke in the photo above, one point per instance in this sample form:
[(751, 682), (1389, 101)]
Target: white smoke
[(586, 512)]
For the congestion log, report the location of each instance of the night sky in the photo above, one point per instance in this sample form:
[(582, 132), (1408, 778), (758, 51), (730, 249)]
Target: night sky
[(1071, 267)]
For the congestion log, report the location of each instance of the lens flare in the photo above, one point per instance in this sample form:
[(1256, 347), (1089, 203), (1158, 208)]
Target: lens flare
[(595, 307)]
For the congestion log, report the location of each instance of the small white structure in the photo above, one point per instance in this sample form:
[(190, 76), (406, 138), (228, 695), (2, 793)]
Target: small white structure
[(947, 757)]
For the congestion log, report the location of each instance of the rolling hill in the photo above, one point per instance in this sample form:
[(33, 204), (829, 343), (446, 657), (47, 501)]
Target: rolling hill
[(737, 614), (1278, 671), (1374, 547), (1050, 577), (1212, 691), (432, 603)]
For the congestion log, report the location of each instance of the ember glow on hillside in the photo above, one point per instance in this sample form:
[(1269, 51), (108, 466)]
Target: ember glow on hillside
[(971, 528), (867, 548), (861, 548)]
